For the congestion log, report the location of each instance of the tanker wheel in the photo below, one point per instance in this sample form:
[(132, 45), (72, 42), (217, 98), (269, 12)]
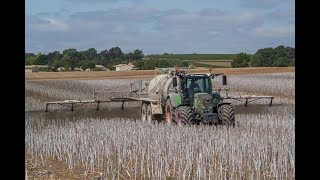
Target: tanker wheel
[(184, 115), (149, 117), (144, 112), (226, 115), (170, 116)]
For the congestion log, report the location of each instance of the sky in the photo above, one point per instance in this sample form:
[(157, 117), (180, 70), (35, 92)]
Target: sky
[(159, 26)]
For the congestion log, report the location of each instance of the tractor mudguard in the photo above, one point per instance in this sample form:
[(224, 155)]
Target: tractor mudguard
[(222, 103), (175, 99)]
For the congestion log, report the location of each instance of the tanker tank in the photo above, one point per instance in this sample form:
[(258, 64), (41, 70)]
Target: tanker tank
[(160, 83)]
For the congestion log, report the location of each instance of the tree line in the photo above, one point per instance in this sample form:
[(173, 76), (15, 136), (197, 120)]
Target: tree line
[(194, 56), (267, 57), (153, 63), (71, 58)]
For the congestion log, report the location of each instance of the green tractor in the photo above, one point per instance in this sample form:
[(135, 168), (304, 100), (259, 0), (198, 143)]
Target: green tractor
[(187, 99)]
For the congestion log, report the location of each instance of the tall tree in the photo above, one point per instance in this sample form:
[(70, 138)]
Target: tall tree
[(41, 59), (129, 56), (263, 57), (137, 54), (53, 56), (241, 60), (279, 56), (70, 56), (104, 58), (89, 54), (87, 65), (26, 55), (57, 64), (30, 60), (115, 54)]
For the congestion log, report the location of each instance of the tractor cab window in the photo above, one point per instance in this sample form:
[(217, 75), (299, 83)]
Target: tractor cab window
[(199, 84)]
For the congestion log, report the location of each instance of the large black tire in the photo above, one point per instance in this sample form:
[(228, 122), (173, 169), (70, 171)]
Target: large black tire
[(170, 115), (184, 115), (226, 115)]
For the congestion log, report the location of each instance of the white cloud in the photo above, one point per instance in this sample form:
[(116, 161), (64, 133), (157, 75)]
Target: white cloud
[(266, 4), (245, 18), (283, 12), (45, 24), (154, 31), (274, 32), (100, 1), (91, 1)]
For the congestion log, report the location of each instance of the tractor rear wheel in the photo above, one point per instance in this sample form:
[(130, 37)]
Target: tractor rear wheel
[(184, 115), (170, 116), (226, 114)]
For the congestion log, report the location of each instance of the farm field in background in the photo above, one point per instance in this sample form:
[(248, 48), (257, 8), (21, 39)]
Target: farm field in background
[(193, 56), (115, 144), (220, 62), (145, 73)]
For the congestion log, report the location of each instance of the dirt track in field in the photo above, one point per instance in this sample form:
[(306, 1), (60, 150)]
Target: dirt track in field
[(138, 74)]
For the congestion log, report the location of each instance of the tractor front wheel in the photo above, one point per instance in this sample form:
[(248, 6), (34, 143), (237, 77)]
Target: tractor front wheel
[(184, 115), (226, 114), (170, 116)]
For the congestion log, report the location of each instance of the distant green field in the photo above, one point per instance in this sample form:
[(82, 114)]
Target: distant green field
[(193, 56), (222, 62), (209, 65)]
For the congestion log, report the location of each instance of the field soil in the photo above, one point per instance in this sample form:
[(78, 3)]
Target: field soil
[(77, 75), (38, 167)]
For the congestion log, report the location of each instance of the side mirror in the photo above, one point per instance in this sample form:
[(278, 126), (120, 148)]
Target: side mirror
[(224, 80), (174, 81)]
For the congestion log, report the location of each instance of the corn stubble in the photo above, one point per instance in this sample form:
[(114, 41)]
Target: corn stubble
[(261, 146)]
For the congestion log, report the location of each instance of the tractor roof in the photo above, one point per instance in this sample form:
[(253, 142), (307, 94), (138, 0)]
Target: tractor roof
[(197, 75)]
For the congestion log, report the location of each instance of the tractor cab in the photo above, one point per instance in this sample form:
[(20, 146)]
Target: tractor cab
[(201, 82), (196, 83)]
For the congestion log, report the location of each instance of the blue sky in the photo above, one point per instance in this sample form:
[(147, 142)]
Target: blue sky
[(159, 26)]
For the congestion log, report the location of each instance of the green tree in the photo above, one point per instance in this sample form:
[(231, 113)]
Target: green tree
[(263, 57), (87, 65), (279, 56), (104, 58), (115, 54), (41, 59), (281, 62), (137, 54), (293, 62), (91, 64), (26, 55), (89, 54), (129, 57), (30, 60), (70, 57), (52, 56), (56, 64), (241, 60)]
